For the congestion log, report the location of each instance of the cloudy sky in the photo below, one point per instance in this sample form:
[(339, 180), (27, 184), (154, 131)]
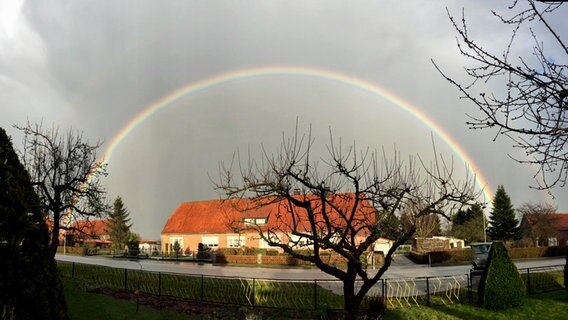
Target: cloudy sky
[(96, 65)]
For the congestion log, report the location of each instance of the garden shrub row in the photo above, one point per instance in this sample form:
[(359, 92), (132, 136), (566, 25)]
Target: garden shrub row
[(466, 255), (537, 252), (246, 251), (440, 257)]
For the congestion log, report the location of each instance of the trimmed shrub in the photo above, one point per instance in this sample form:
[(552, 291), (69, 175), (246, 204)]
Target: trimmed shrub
[(452, 256), (536, 252), (418, 257), (501, 285)]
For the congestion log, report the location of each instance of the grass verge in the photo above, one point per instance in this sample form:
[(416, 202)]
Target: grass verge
[(550, 306), (86, 305), (83, 305)]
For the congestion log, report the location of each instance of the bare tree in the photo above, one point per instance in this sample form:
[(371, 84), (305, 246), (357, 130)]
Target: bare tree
[(65, 174), (331, 204), (536, 222), (424, 225), (529, 104)]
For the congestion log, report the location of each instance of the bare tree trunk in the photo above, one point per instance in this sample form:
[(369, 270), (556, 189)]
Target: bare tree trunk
[(351, 300), (54, 235)]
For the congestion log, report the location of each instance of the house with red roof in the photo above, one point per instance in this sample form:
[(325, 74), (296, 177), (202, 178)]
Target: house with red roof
[(549, 229), (238, 223), (93, 233)]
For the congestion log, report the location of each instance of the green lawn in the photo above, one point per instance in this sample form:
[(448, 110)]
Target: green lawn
[(85, 305), (550, 306)]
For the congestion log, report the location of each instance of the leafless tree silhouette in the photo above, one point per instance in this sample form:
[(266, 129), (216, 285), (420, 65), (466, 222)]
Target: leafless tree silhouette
[(65, 173), (339, 203), (529, 102)]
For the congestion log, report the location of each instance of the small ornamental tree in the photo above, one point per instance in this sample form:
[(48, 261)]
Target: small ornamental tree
[(133, 244), (501, 285), (177, 249)]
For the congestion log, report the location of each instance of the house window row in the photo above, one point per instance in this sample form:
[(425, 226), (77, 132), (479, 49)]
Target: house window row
[(235, 242), (210, 242), (255, 221)]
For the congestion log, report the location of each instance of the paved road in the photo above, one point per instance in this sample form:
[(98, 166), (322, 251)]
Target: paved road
[(401, 268)]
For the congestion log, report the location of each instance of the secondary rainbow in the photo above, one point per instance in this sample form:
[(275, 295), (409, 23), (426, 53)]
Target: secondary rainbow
[(323, 74)]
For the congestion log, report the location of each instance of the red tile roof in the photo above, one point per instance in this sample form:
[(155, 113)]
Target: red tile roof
[(91, 227), (216, 216), (558, 220)]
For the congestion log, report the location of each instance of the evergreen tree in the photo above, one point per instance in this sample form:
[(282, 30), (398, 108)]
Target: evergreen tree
[(30, 287), (177, 249), (389, 224), (503, 223), (119, 226), (469, 224)]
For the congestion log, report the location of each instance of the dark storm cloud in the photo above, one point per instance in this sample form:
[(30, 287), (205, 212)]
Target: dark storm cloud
[(96, 64)]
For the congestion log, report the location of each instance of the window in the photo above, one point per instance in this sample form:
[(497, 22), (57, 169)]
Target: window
[(300, 241), (235, 242), (211, 242), (552, 241), (255, 221)]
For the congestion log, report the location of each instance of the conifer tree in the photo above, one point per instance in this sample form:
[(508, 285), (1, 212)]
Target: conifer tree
[(501, 285), (119, 226), (30, 287), (469, 224), (502, 220)]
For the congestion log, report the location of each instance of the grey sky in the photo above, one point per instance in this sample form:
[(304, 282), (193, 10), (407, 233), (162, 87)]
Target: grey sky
[(94, 65)]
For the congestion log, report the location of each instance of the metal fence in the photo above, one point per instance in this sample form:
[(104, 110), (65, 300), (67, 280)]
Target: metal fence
[(299, 294)]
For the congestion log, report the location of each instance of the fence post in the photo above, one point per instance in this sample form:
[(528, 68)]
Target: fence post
[(73, 269), (469, 287), (253, 287), (315, 294), (202, 288), (125, 279), (385, 288), (427, 291), (159, 284), (529, 280)]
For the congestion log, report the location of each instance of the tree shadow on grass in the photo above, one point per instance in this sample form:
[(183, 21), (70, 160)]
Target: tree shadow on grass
[(461, 313)]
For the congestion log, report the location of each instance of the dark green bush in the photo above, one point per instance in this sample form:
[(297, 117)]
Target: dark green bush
[(501, 285), (375, 305), (30, 287)]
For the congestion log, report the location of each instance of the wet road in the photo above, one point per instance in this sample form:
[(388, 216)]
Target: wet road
[(401, 268)]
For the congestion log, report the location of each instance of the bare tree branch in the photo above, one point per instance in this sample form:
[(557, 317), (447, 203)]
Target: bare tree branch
[(332, 204), (66, 175), (531, 107)]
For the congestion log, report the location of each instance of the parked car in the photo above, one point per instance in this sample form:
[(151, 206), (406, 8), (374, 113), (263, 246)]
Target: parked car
[(480, 254)]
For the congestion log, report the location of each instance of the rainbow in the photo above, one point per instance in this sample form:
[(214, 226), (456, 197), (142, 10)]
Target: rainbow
[(345, 79)]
